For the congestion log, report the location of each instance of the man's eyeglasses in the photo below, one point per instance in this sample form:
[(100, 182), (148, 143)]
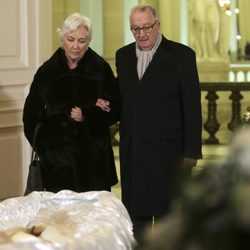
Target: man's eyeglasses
[(146, 29)]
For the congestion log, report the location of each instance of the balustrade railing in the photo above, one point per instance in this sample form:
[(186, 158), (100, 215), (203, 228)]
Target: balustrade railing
[(212, 125), (239, 72)]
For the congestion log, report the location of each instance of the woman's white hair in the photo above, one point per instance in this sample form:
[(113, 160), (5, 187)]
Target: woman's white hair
[(73, 22)]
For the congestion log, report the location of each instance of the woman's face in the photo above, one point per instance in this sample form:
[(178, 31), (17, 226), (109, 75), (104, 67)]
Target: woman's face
[(75, 44)]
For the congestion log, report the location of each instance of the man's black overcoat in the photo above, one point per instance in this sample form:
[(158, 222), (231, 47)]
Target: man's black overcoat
[(74, 155), (160, 124)]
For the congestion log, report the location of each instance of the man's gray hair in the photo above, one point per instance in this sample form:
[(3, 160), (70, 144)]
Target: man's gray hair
[(144, 7)]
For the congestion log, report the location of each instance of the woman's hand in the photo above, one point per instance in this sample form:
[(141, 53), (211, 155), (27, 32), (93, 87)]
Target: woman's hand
[(76, 114), (103, 104)]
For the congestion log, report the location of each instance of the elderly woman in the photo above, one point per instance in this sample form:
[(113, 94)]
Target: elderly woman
[(75, 99)]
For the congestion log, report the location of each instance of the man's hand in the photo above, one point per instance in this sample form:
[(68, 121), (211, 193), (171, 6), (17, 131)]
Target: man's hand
[(190, 162), (103, 104), (76, 114)]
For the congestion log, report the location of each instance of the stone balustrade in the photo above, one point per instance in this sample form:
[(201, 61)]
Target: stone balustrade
[(212, 88)]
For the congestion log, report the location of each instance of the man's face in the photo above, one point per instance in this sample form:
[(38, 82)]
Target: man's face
[(146, 38)]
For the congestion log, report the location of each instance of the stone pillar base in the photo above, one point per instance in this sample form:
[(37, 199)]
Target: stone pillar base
[(213, 71)]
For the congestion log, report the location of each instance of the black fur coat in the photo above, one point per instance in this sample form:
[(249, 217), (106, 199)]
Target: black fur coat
[(74, 155)]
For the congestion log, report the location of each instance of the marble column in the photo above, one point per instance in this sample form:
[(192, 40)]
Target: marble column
[(152, 2), (113, 29), (244, 20), (93, 9), (169, 14), (60, 10), (128, 4)]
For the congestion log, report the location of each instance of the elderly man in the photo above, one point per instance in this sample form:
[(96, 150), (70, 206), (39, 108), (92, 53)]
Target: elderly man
[(160, 124)]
